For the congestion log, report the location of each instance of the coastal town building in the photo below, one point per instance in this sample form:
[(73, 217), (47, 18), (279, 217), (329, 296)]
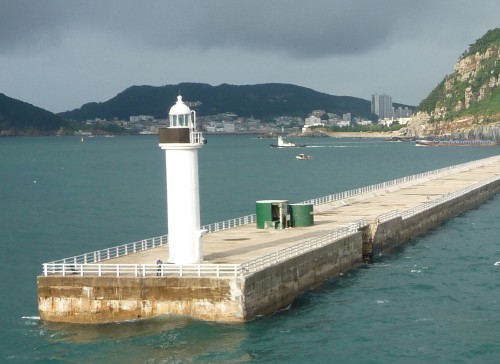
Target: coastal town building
[(382, 106)]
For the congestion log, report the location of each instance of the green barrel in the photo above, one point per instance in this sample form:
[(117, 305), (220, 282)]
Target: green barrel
[(264, 213), (301, 215)]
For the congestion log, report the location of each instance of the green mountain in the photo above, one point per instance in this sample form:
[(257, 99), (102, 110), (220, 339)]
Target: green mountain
[(472, 90), (466, 103), (263, 101), (20, 118)]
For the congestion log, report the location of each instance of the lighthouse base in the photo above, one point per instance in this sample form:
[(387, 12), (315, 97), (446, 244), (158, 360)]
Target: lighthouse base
[(90, 300), (242, 298)]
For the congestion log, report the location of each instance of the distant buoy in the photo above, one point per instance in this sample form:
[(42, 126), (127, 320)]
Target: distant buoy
[(34, 181)]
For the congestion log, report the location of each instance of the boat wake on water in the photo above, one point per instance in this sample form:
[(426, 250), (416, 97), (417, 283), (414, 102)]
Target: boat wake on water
[(330, 146)]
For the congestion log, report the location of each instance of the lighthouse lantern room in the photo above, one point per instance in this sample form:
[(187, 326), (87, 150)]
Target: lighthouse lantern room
[(181, 141)]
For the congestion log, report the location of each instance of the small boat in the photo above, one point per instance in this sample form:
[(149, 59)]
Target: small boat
[(303, 157), (283, 144), (455, 143)]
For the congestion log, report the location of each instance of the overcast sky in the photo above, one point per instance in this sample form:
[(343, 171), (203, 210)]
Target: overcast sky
[(60, 54)]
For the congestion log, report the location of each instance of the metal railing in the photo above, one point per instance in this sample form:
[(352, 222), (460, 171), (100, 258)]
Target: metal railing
[(229, 224), (390, 215), (63, 266), (199, 270), (142, 270), (432, 203), (448, 197), (301, 248), (113, 252), (397, 181), (142, 245), (196, 137)]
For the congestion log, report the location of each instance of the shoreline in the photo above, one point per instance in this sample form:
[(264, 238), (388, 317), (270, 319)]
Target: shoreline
[(360, 134), (364, 134)]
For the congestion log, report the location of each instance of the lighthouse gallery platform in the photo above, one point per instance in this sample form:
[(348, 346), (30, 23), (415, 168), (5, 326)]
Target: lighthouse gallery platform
[(247, 272)]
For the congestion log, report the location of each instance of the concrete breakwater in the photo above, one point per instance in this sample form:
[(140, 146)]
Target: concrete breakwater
[(249, 272)]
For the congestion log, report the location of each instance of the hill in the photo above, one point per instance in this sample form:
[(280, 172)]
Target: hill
[(263, 101), (466, 103), (20, 118)]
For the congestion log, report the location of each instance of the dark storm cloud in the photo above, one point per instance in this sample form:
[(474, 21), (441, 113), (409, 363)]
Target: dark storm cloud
[(26, 24), (97, 48), (305, 29)]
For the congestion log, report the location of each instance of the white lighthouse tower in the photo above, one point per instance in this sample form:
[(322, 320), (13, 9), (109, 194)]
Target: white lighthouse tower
[(181, 142)]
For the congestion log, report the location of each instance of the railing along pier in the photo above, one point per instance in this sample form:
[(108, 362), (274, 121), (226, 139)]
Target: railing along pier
[(90, 264)]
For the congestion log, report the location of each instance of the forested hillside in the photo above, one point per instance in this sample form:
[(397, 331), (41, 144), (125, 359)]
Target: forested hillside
[(263, 101), (473, 88), (20, 118), (466, 103)]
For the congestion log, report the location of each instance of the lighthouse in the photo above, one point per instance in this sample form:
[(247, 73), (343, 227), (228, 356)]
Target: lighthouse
[(181, 141)]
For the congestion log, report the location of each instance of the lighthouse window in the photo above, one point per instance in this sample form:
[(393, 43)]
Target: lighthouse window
[(180, 120), (184, 120)]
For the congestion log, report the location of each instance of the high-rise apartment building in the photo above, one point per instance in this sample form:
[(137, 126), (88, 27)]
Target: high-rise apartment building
[(382, 106)]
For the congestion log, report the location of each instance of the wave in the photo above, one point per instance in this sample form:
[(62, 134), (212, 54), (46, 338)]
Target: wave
[(37, 318)]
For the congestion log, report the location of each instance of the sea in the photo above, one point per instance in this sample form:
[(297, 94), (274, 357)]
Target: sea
[(435, 299)]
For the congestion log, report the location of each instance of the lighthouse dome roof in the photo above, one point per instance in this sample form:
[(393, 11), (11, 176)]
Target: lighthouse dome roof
[(180, 108)]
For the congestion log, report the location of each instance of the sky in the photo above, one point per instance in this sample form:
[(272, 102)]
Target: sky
[(61, 54)]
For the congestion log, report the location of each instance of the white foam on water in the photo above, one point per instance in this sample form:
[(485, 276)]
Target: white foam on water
[(31, 318)]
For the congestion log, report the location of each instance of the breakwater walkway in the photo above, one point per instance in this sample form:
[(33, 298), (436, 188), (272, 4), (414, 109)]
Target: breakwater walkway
[(247, 271)]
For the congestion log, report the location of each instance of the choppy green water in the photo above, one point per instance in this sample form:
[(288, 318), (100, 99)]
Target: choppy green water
[(435, 300)]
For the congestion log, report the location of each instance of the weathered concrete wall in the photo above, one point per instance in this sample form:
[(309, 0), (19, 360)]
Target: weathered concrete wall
[(271, 289), (104, 299), (397, 231)]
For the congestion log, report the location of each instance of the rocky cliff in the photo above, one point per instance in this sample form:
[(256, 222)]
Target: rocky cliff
[(466, 104)]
